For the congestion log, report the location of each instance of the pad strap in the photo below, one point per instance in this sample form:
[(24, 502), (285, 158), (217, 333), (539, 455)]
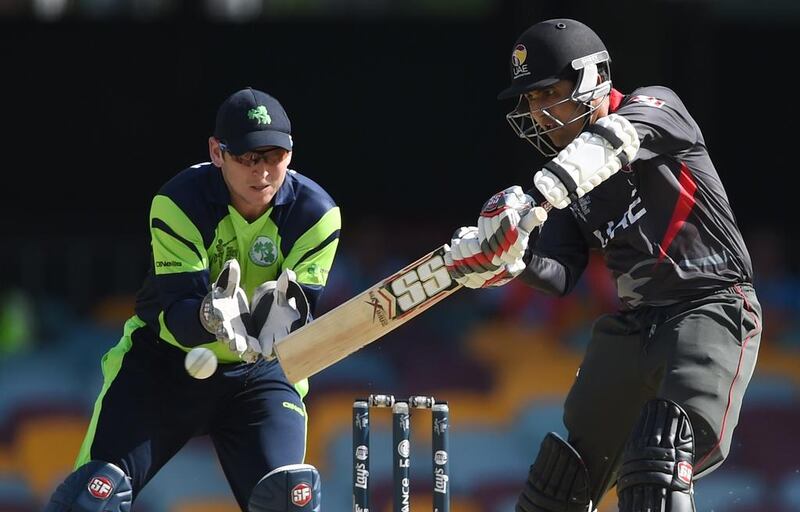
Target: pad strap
[(611, 136), (564, 177), (607, 133)]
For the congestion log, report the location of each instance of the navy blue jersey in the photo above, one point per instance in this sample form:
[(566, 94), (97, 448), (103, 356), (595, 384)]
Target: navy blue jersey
[(195, 230), (663, 223)]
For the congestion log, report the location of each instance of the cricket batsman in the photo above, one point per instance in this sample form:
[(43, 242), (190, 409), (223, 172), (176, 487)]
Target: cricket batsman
[(656, 399)]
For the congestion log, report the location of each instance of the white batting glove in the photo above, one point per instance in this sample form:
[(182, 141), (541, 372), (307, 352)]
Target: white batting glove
[(468, 266), (465, 261), (225, 313), (278, 308), (505, 223)]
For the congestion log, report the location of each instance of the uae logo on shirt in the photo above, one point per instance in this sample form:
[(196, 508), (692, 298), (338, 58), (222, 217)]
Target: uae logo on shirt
[(263, 251)]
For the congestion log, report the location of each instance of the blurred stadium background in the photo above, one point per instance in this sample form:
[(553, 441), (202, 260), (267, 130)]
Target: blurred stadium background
[(393, 109)]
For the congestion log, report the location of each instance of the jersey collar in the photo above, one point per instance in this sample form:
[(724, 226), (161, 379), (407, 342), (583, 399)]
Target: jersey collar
[(286, 193), (615, 100)]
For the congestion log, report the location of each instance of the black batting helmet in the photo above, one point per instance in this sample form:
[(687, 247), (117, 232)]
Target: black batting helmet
[(550, 51), (553, 50)]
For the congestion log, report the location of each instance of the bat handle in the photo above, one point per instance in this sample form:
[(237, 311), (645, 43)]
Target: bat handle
[(530, 206), (528, 224)]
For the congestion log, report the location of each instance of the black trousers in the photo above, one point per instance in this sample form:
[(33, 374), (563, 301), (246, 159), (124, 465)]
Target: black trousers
[(700, 353)]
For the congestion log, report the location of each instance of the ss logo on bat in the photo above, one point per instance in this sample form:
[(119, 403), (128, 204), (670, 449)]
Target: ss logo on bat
[(421, 283)]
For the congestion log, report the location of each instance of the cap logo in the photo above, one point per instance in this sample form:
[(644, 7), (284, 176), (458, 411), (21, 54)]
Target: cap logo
[(518, 66), (260, 115)]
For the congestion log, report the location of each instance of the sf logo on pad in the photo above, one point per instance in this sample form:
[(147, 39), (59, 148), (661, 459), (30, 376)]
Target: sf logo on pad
[(301, 494), (100, 487)]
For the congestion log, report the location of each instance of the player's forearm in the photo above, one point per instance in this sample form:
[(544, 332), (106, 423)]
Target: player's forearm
[(546, 275), (183, 321)]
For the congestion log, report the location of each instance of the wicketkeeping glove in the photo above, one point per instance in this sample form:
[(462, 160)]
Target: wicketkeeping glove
[(505, 224), (278, 308), (225, 313)]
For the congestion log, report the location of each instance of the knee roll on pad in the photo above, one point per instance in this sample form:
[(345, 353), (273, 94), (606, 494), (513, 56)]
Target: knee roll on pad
[(657, 464), (291, 488), (558, 480), (94, 487)]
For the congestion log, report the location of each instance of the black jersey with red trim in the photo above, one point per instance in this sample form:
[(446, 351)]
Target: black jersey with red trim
[(663, 223)]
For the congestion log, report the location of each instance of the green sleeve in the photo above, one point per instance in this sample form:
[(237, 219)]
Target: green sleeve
[(312, 254), (177, 243)]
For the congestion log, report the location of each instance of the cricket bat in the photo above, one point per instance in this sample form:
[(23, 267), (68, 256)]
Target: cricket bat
[(366, 317)]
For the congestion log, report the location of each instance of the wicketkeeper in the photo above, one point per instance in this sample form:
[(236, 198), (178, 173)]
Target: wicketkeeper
[(242, 247)]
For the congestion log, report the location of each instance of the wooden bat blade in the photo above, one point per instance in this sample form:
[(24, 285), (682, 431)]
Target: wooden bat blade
[(366, 317)]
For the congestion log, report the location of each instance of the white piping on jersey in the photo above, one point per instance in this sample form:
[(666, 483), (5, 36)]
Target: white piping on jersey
[(711, 262)]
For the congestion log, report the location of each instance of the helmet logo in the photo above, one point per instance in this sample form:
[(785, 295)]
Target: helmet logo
[(518, 66)]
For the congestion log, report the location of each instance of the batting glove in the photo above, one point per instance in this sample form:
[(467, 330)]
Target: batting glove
[(225, 313), (505, 223), (467, 264)]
